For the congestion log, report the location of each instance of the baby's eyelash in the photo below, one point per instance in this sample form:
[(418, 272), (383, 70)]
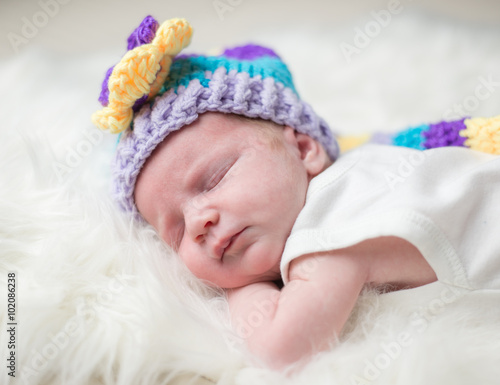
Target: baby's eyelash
[(218, 176)]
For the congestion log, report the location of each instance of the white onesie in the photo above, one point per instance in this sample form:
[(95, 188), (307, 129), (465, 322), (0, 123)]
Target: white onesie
[(445, 201)]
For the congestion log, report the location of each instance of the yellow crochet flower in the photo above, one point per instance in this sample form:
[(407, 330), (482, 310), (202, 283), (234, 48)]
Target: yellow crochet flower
[(142, 71), (483, 134)]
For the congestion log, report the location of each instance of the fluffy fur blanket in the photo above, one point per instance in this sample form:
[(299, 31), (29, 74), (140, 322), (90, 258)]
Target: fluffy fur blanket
[(100, 300)]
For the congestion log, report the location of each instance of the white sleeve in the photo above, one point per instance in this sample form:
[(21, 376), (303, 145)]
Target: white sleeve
[(445, 201)]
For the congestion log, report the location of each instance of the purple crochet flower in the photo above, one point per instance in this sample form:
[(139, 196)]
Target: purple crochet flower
[(143, 34), (104, 95)]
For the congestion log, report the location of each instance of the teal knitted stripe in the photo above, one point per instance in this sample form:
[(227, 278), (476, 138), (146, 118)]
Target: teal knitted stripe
[(185, 69), (412, 137)]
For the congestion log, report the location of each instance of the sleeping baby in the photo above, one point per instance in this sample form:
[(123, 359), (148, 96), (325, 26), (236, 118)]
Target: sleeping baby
[(244, 181)]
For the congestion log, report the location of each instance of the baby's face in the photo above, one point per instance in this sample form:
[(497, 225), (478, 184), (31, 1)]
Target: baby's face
[(225, 194)]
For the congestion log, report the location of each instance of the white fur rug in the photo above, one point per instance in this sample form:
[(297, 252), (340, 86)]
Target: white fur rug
[(102, 301)]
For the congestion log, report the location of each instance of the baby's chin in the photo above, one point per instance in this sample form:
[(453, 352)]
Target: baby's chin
[(261, 275), (263, 263)]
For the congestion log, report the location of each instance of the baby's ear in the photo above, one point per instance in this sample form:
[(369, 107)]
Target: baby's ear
[(312, 153)]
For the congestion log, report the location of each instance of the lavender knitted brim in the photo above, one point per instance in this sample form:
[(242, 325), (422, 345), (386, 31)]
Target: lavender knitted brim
[(225, 91)]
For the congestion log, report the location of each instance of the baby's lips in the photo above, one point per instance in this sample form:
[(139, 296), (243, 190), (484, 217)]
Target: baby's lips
[(220, 246), (233, 242)]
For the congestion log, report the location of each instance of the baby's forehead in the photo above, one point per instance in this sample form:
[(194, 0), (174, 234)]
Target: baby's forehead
[(214, 129), (209, 141), (210, 132)]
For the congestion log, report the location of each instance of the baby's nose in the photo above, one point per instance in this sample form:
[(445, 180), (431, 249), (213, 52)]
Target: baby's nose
[(199, 218)]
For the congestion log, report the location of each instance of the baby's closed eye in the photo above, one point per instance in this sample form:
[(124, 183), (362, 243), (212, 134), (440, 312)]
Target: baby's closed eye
[(218, 175)]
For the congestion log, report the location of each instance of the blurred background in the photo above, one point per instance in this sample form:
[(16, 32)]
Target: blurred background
[(77, 26)]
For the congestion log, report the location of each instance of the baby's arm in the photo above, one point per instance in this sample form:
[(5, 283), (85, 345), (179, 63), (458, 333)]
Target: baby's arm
[(306, 315)]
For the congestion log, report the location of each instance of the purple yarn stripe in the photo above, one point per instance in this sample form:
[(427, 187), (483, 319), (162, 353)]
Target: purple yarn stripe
[(381, 138), (444, 134), (249, 52)]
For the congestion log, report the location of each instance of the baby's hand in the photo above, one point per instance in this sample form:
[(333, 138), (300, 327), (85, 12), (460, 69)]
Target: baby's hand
[(305, 317)]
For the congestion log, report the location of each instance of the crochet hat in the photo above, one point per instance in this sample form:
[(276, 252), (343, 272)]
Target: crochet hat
[(149, 95)]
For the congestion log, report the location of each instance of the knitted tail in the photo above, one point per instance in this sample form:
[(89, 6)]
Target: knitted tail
[(481, 134)]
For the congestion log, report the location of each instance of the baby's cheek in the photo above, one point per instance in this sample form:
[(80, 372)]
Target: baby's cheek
[(186, 257), (264, 256), (197, 263), (195, 268)]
